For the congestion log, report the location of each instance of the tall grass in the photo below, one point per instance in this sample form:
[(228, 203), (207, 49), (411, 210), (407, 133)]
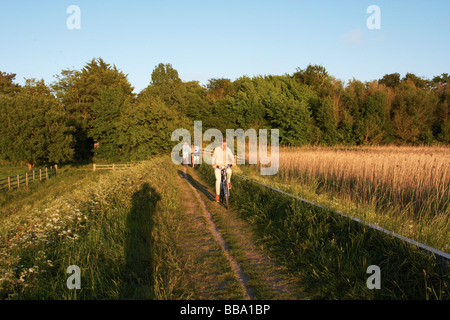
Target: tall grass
[(408, 180), (330, 254), (118, 227), (403, 189)]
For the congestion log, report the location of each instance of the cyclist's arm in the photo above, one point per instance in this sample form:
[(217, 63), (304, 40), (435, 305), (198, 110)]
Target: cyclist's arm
[(213, 159), (231, 157)]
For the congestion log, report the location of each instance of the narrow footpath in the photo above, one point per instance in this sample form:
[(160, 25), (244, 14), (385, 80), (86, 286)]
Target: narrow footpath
[(218, 237)]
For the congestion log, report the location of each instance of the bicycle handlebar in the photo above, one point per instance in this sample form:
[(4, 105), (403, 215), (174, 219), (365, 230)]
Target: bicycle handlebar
[(224, 167)]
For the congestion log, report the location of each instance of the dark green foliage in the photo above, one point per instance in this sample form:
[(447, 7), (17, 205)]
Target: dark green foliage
[(32, 126), (106, 119), (390, 80), (7, 86), (78, 91), (146, 128)]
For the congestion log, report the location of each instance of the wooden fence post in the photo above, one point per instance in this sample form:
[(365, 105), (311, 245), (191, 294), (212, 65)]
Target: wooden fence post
[(9, 182), (18, 182), (46, 174), (94, 167), (26, 179), (40, 174), (56, 169), (34, 171)]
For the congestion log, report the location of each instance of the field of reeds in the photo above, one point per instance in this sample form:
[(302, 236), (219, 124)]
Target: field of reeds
[(403, 189), (409, 180), (327, 253)]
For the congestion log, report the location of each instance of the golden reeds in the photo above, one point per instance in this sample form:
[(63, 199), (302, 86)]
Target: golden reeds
[(407, 179)]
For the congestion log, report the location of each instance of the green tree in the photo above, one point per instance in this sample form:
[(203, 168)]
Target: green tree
[(77, 90), (412, 113), (417, 81), (106, 117), (146, 128), (7, 85), (219, 88), (390, 80), (167, 85), (316, 77), (33, 127), (326, 122), (165, 74), (354, 97), (373, 120)]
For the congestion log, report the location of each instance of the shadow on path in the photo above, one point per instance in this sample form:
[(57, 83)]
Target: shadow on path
[(197, 185)]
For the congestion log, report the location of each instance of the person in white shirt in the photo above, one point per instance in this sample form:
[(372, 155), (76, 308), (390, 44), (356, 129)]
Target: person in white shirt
[(222, 156), (186, 150), (196, 156)]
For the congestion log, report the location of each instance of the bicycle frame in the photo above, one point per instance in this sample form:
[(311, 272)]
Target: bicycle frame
[(224, 191)]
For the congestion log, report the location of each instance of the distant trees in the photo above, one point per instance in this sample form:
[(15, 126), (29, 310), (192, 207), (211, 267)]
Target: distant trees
[(78, 91), (94, 111), (146, 128), (116, 125), (7, 85), (33, 128)]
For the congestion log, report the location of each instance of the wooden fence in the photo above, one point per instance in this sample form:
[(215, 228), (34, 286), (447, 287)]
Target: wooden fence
[(24, 179)]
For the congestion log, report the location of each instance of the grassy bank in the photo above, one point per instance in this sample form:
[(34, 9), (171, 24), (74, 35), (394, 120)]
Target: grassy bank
[(118, 227), (403, 189), (329, 254)]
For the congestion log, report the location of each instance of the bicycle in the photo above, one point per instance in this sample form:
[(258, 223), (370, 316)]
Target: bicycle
[(224, 195)]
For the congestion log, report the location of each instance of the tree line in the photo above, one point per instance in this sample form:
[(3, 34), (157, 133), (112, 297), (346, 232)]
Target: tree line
[(94, 111)]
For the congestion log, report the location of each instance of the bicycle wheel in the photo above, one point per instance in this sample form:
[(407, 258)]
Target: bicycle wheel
[(221, 193), (226, 193)]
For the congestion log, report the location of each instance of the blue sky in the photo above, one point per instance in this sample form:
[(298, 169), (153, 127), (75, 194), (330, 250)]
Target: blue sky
[(226, 39)]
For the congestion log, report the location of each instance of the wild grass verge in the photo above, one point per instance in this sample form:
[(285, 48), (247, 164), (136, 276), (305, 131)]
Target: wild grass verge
[(118, 227), (330, 254)]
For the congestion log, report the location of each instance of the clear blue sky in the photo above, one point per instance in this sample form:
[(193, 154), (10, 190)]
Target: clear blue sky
[(229, 39)]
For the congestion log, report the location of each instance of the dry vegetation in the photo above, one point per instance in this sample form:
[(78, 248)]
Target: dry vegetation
[(400, 188), (413, 180)]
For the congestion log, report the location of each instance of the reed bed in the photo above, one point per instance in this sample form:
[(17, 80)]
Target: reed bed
[(407, 180), (403, 189)]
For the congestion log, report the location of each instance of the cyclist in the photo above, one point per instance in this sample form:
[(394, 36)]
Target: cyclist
[(196, 156), (186, 150), (222, 156)]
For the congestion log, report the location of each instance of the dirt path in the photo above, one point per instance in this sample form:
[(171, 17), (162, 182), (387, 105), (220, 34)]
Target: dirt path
[(258, 276), (209, 273), (241, 277)]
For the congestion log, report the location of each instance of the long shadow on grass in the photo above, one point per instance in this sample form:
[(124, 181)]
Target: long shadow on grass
[(137, 282)]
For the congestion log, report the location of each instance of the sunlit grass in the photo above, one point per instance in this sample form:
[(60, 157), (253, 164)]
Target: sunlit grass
[(330, 254), (403, 189), (118, 227)]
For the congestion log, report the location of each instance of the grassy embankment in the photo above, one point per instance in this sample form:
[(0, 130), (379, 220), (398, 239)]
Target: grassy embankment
[(119, 228)]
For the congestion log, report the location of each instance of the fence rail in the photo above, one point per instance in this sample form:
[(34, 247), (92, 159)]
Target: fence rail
[(24, 179)]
